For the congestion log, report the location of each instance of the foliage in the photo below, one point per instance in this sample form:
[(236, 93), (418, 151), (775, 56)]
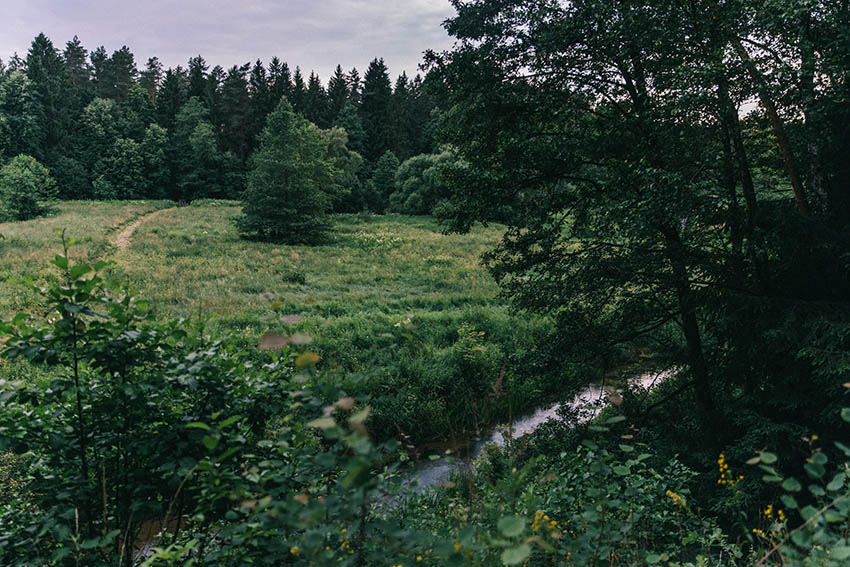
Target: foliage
[(382, 182), (294, 179), (419, 188), (25, 185)]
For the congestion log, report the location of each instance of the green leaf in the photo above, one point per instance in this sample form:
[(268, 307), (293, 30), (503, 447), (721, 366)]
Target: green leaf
[(789, 501), (845, 414), (62, 263), (626, 448), (79, 270), (210, 442), (198, 425), (511, 526), (621, 470), (767, 458), (516, 555), (841, 553), (791, 485), (836, 483), (615, 419), (814, 470)]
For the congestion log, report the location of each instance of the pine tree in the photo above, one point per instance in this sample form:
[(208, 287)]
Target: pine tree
[(374, 110), (236, 112), (294, 179), (46, 72), (151, 78), (260, 91), (402, 126), (100, 72), (75, 58), (171, 96), (316, 104), (157, 172), (122, 73), (337, 90), (198, 78), (349, 120), (280, 80), (354, 87), (21, 117), (299, 91)]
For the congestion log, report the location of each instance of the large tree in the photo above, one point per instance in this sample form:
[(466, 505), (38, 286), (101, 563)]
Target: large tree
[(607, 136), (374, 109), (294, 179)]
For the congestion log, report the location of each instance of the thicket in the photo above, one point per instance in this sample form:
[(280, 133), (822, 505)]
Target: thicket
[(268, 463)]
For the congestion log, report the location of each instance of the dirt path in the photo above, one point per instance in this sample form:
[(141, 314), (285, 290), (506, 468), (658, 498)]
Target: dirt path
[(123, 239)]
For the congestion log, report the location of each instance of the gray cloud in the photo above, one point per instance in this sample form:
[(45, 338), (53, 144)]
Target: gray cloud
[(313, 34)]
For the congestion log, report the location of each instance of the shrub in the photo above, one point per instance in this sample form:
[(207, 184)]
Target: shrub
[(419, 185), (24, 186)]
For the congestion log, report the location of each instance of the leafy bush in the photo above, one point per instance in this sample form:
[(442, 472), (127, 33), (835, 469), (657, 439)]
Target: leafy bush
[(294, 179), (24, 186), (419, 184)]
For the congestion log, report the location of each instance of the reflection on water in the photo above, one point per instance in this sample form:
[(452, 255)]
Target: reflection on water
[(589, 402)]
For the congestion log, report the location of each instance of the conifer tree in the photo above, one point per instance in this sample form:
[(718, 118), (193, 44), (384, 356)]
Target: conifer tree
[(374, 109), (100, 72), (21, 118), (337, 90), (294, 179), (171, 96), (236, 112), (280, 80), (299, 91), (151, 78), (261, 103), (354, 87), (46, 73), (198, 78), (122, 73), (316, 104), (402, 126), (75, 59), (349, 120)]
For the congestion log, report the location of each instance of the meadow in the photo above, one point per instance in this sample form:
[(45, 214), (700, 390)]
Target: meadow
[(395, 308)]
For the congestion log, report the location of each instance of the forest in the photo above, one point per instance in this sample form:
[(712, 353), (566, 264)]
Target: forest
[(576, 294)]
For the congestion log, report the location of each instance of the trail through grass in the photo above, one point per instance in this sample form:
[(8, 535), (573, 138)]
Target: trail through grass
[(396, 308)]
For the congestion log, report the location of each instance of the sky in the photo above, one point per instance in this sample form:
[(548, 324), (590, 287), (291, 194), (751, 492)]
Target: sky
[(316, 35)]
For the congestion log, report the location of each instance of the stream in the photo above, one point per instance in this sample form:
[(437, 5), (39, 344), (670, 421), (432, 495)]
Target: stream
[(438, 469)]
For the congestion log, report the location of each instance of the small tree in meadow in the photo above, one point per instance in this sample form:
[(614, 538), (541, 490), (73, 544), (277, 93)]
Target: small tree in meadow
[(294, 178), (24, 185)]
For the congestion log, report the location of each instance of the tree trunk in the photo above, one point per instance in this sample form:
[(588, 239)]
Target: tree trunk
[(778, 128)]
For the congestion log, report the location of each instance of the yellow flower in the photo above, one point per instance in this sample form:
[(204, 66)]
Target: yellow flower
[(419, 558), (294, 550)]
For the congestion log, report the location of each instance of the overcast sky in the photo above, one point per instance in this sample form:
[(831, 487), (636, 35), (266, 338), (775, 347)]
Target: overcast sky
[(314, 34)]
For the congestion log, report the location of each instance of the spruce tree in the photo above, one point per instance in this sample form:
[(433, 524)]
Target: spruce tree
[(280, 80), (122, 73), (151, 78), (236, 112), (293, 181), (299, 91), (316, 104), (46, 72), (349, 120), (354, 87), (171, 96), (374, 109), (198, 77), (337, 90)]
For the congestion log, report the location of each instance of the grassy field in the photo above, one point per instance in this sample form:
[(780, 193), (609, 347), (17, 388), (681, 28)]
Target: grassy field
[(396, 308)]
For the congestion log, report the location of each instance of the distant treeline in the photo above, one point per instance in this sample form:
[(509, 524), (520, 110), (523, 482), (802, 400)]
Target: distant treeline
[(105, 129)]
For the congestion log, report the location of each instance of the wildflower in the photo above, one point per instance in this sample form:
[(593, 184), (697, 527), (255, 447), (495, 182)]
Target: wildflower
[(781, 514), (458, 546), (676, 498), (418, 558), (294, 550)]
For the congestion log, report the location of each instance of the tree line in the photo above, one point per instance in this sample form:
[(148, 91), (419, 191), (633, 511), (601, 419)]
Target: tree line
[(107, 130)]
